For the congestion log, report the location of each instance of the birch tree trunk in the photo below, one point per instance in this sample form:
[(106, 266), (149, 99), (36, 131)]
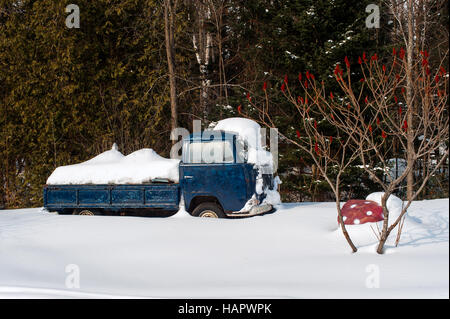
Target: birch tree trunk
[(202, 43)]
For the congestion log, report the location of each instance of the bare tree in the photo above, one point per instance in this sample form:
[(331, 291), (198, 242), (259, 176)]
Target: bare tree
[(170, 7), (219, 9), (202, 42), (370, 117), (332, 156), (417, 28), (208, 36), (374, 117)]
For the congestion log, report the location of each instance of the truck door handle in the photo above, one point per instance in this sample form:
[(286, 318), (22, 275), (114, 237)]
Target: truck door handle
[(189, 177)]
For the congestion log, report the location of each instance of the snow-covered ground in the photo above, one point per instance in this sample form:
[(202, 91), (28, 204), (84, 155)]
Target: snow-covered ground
[(294, 252)]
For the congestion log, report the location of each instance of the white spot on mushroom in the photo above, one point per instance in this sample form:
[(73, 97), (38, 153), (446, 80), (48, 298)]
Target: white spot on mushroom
[(356, 222), (366, 202), (353, 206), (344, 218), (369, 213)]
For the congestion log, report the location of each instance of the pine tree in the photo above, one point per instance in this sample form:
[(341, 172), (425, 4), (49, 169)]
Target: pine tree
[(68, 94)]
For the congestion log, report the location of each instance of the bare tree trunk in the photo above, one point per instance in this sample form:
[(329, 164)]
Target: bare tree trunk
[(6, 182), (169, 21), (341, 220), (218, 13), (410, 100), (385, 229)]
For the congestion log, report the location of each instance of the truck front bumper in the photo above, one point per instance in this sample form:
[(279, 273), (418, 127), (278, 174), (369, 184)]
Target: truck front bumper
[(255, 210)]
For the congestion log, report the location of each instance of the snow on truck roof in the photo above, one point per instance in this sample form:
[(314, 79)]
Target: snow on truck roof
[(249, 131), (246, 129)]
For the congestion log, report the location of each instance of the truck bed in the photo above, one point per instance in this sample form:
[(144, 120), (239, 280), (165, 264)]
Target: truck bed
[(112, 197)]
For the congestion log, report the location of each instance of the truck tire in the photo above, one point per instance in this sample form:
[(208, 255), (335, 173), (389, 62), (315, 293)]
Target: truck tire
[(86, 212), (209, 210)]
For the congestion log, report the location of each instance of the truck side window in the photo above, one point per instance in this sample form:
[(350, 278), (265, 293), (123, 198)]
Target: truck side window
[(241, 151), (228, 152)]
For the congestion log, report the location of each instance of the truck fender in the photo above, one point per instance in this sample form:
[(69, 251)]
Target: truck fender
[(197, 200)]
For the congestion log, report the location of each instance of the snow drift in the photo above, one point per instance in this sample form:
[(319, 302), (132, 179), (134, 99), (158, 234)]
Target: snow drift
[(393, 204), (112, 167), (291, 254)]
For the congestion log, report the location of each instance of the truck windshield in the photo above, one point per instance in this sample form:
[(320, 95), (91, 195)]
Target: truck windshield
[(208, 152)]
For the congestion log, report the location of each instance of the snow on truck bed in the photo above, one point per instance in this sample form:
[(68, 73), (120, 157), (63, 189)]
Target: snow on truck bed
[(112, 167), (296, 252)]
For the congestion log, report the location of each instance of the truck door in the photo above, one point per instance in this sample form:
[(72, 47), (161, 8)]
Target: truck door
[(209, 169)]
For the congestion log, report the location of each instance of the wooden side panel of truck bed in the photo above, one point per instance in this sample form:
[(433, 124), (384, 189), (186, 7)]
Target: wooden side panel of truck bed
[(157, 196)]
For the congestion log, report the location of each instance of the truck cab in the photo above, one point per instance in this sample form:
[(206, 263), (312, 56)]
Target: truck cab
[(216, 179)]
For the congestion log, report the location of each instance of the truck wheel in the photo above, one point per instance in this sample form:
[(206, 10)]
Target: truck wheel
[(209, 210), (86, 212)]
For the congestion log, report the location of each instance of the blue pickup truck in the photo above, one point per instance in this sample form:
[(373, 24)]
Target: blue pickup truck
[(217, 189)]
